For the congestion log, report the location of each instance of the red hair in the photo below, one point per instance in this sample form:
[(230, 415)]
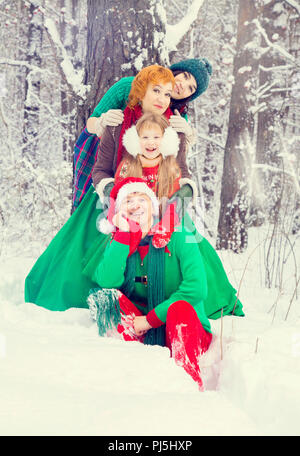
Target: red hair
[(153, 74)]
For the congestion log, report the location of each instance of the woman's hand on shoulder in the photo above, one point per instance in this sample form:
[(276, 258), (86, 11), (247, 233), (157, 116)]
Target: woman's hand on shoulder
[(111, 118), (182, 126)]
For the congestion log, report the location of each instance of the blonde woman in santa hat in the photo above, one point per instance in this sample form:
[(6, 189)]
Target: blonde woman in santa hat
[(151, 294)]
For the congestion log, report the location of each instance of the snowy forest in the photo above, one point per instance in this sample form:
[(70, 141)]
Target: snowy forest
[(57, 59)]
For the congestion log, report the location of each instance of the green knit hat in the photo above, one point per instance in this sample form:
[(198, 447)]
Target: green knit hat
[(201, 69)]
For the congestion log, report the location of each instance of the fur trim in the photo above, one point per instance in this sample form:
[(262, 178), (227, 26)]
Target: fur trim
[(170, 143), (105, 227), (131, 141), (101, 185), (185, 180)]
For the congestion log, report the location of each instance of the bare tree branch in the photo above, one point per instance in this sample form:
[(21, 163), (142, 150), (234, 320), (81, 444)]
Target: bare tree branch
[(272, 45), (294, 5)]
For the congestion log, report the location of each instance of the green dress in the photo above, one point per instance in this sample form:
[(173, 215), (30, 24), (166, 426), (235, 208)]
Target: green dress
[(61, 278)]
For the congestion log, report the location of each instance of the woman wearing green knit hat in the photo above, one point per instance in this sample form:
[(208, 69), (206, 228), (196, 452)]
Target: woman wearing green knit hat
[(191, 80)]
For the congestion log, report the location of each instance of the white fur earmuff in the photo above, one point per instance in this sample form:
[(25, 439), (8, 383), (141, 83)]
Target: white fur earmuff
[(169, 144), (131, 141)]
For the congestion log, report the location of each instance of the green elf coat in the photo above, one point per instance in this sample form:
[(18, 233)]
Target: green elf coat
[(184, 275)]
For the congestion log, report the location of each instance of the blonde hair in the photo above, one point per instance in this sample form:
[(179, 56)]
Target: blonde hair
[(168, 170), (153, 74)]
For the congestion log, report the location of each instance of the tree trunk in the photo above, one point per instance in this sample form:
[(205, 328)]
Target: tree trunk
[(69, 38), (217, 123), (32, 86), (122, 37), (232, 229), (267, 145)]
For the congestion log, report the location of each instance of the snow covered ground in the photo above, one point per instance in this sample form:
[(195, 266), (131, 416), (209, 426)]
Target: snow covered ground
[(58, 377)]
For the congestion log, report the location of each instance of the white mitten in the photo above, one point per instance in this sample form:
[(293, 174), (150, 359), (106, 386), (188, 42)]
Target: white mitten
[(111, 118), (182, 126)]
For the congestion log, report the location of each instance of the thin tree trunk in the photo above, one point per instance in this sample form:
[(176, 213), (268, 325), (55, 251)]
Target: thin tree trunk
[(69, 38), (32, 86), (232, 228), (267, 148)]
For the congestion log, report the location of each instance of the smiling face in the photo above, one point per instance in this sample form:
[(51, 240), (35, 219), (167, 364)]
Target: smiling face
[(138, 207), (157, 98), (185, 86), (150, 137)]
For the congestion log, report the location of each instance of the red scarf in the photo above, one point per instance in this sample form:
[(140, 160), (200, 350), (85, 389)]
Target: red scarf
[(131, 116)]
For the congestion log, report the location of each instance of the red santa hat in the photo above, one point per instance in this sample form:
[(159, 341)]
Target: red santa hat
[(120, 191)]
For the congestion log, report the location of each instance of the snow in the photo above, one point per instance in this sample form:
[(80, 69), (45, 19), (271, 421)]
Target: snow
[(58, 377)]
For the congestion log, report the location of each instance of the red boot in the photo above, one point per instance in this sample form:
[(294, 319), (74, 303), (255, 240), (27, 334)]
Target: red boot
[(125, 330), (186, 338)]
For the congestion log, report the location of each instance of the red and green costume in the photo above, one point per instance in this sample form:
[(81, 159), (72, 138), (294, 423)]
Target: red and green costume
[(178, 313)]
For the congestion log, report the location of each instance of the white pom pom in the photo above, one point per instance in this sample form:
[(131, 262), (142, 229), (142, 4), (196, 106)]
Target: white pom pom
[(105, 227)]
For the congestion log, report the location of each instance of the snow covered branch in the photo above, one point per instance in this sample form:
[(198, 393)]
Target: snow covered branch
[(275, 68), (73, 78), (29, 66), (294, 5), (175, 33), (274, 46)]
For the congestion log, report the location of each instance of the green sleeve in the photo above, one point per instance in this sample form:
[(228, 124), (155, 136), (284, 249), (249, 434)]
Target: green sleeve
[(193, 287), (110, 272), (115, 98)]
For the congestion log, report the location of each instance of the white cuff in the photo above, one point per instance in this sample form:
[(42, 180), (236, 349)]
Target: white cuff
[(99, 128), (102, 184), (185, 180), (191, 138)]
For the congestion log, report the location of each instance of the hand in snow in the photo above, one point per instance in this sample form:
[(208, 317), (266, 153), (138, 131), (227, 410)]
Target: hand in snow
[(141, 325)]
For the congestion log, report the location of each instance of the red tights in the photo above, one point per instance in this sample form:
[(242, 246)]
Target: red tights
[(185, 336)]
